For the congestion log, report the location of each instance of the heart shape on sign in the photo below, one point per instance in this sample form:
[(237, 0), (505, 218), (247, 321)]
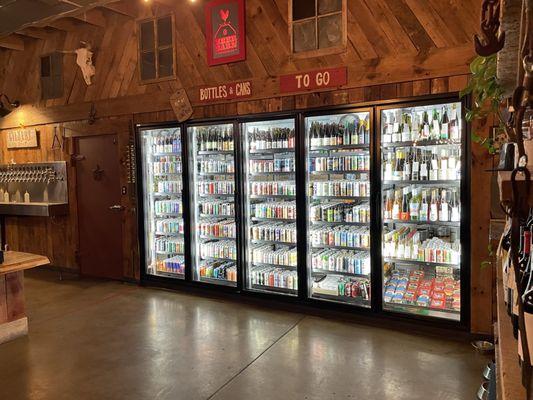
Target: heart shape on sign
[(224, 14)]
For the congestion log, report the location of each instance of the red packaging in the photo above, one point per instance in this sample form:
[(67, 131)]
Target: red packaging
[(438, 296), (437, 304)]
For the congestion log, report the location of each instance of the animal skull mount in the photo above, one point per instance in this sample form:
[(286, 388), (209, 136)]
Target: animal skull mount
[(84, 59)]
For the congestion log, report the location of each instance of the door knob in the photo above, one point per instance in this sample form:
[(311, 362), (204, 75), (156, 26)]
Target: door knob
[(116, 207)]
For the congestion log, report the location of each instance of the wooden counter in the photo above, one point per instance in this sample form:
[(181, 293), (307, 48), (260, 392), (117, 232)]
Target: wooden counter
[(13, 320)]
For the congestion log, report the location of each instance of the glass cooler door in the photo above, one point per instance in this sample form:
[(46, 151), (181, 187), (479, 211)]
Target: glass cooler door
[(338, 181), (270, 206), (212, 163), (162, 199), (421, 158)]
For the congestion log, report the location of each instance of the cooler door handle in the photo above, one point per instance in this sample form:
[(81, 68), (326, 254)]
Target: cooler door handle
[(117, 207)]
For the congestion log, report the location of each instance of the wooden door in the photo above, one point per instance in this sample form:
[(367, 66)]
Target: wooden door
[(100, 212)]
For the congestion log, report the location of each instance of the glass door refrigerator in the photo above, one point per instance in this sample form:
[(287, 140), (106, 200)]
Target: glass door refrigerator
[(213, 205), (338, 206), (270, 206), (422, 170), (162, 186)]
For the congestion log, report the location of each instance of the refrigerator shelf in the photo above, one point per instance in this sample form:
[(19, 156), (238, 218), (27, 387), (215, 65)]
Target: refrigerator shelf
[(318, 271), (217, 259), (169, 174), (216, 174), (175, 234), (273, 196), (272, 173), (421, 263), (166, 154), (326, 246), (341, 197), (173, 195), (259, 241), (341, 223), (216, 216), (419, 309), (341, 299), (361, 171), (258, 264), (166, 215), (401, 222), (340, 147), (218, 281), (422, 143), (450, 182), (267, 288), (174, 275), (214, 152), (169, 253), (273, 151), (203, 237), (322, 153), (220, 196), (273, 219)]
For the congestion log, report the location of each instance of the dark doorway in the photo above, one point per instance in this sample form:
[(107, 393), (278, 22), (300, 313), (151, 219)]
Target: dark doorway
[(100, 212)]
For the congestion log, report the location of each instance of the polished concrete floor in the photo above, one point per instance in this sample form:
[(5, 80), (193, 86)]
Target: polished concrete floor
[(106, 340)]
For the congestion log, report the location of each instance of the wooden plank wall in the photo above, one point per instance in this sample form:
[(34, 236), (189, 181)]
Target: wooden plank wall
[(396, 49)]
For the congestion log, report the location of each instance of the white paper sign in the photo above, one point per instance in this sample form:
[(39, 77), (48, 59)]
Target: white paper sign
[(22, 138)]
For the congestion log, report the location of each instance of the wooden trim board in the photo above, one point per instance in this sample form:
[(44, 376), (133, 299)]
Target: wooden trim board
[(13, 330), (15, 261)]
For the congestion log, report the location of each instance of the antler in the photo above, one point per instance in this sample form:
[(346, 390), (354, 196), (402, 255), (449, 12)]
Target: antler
[(492, 41)]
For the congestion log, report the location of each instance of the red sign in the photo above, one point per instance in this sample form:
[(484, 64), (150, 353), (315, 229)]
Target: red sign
[(320, 79), (225, 33), (229, 91)]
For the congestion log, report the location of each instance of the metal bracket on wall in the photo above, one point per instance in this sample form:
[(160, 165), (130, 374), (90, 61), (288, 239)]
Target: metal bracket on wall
[(56, 142)]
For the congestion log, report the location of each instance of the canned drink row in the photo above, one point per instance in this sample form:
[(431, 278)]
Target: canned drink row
[(217, 208), (168, 165), (174, 265), (170, 187), (219, 270), (268, 254), (360, 162), (276, 165), (280, 232), (218, 228), (169, 226), (281, 210), (273, 188), (341, 236), (216, 166), (275, 277), (340, 212), (341, 188), (165, 245), (219, 187), (353, 262), (168, 207), (219, 249)]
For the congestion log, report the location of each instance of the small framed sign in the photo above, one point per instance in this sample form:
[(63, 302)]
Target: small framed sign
[(22, 138), (225, 31)]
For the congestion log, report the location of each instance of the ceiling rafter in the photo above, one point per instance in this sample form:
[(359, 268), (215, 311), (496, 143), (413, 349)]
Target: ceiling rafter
[(12, 42)]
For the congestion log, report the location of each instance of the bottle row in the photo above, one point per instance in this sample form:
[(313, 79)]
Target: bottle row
[(415, 124), (214, 139), (172, 246), (275, 255), (413, 204), (273, 188), (225, 208), (209, 166), (274, 138), (285, 164), (168, 207), (225, 270), (217, 228), (169, 187), (340, 286), (219, 249), (340, 212), (360, 162), (173, 265), (169, 226), (275, 210), (332, 134), (415, 288), (168, 165), (341, 236), (422, 165), (166, 143), (274, 277), (347, 188), (216, 188), (279, 232), (347, 261), (407, 243)]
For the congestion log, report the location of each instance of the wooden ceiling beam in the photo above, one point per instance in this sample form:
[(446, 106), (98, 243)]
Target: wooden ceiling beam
[(64, 24), (93, 17), (35, 33), (128, 9), (12, 42)]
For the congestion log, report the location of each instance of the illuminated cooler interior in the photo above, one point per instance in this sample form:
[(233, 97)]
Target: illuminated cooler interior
[(163, 206), (270, 206), (338, 181), (421, 169)]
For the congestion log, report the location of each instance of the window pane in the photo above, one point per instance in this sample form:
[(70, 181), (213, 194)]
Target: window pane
[(147, 66), (147, 35), (303, 9), (164, 31), (329, 6), (330, 31), (304, 36), (45, 66), (166, 64)]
